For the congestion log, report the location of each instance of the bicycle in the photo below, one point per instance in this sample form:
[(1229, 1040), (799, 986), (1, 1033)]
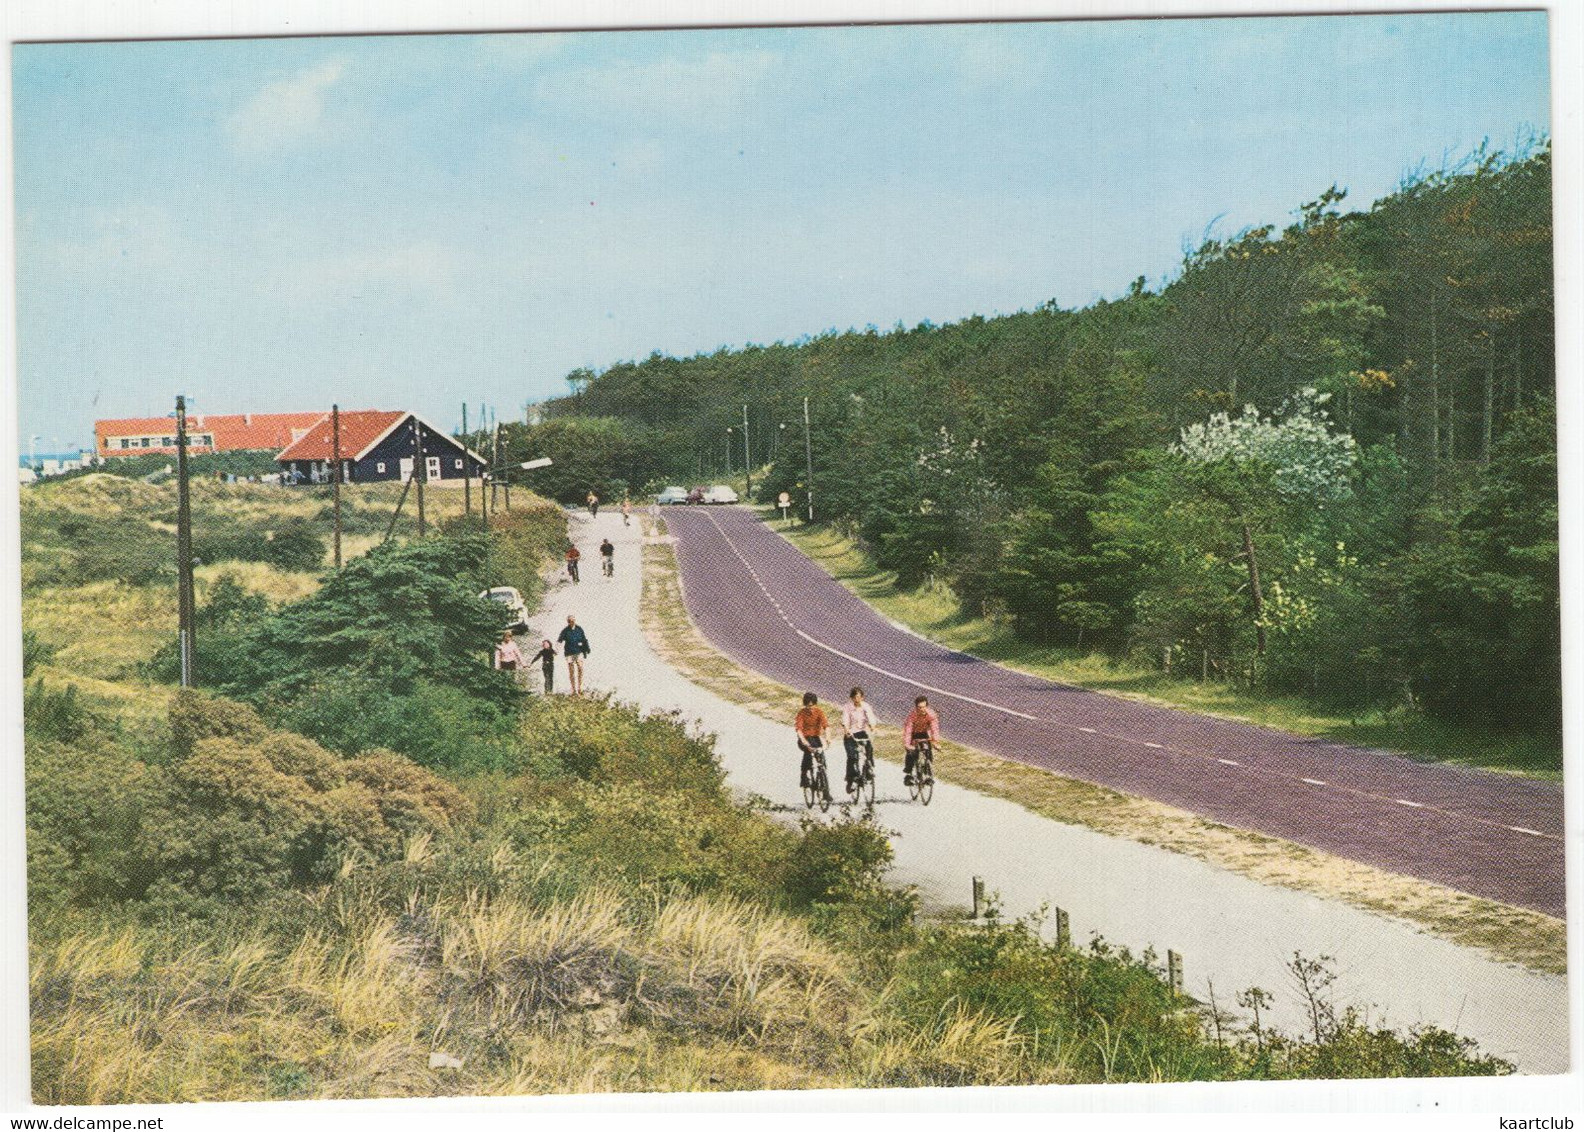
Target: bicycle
[(816, 792), (922, 788), (863, 788)]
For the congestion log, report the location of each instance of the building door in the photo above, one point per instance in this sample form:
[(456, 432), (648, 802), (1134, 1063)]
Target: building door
[(406, 467), (432, 467)]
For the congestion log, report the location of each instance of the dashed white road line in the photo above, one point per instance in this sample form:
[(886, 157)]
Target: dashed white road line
[(730, 542)]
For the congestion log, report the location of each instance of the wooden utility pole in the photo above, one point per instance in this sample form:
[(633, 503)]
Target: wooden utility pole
[(185, 615), (495, 475), (467, 471), (420, 472), (335, 477)]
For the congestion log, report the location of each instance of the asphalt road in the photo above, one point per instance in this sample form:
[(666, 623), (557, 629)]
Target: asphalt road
[(767, 606)]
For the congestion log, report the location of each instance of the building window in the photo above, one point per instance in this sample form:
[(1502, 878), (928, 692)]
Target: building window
[(459, 463), (379, 468)]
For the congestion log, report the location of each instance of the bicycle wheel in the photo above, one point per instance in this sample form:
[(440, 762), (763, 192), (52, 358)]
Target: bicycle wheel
[(809, 794), (855, 788), (823, 785), (925, 775), (866, 785)]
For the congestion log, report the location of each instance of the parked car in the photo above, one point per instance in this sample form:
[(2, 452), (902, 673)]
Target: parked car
[(671, 496), (513, 601), (696, 495), (720, 493)]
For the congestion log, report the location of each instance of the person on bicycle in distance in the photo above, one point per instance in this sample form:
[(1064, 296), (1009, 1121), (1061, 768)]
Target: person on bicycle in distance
[(608, 558), (812, 729), (922, 725), (858, 724)]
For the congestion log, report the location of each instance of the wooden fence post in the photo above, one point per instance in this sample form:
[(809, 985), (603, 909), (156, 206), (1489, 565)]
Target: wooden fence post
[(978, 897), (1063, 929), (1174, 973)]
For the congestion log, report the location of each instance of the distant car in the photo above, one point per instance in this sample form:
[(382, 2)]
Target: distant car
[(696, 495), (513, 601), (720, 493), (672, 495)]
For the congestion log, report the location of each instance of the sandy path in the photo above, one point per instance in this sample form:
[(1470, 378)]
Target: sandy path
[(1232, 932)]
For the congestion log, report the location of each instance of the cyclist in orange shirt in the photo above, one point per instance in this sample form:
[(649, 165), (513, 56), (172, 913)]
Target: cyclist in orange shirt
[(812, 730)]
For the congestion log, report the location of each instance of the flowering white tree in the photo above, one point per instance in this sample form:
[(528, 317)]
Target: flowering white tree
[(1248, 463)]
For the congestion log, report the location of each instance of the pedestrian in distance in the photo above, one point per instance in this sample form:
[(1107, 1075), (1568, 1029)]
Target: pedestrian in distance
[(608, 558), (593, 505), (922, 724), (508, 657), (858, 724), (575, 647), (546, 658), (812, 729), (626, 510), (572, 556)]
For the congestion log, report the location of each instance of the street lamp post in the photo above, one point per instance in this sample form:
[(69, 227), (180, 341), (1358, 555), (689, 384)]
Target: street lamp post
[(747, 461), (808, 455), (729, 431)]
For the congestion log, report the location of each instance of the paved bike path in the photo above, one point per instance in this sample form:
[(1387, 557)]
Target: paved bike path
[(761, 601)]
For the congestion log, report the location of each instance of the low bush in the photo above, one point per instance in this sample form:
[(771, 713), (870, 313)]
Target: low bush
[(433, 724)]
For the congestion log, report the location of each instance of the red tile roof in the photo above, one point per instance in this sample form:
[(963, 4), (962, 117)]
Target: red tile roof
[(361, 429), (230, 431)]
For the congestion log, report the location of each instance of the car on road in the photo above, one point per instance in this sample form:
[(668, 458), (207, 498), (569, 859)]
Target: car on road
[(513, 601), (672, 495), (720, 493), (696, 495)]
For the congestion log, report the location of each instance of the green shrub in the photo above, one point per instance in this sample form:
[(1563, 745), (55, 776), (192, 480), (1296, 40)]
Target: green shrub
[(433, 724), (836, 863), (55, 713), (643, 834), (35, 651), (598, 740)]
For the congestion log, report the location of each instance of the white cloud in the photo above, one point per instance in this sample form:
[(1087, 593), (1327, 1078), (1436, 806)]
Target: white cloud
[(708, 91), (427, 267), (284, 111)]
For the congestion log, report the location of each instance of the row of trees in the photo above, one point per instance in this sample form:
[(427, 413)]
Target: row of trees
[(1321, 459)]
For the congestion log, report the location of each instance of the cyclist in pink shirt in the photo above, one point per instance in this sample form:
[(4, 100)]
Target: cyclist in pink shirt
[(922, 725), (858, 724)]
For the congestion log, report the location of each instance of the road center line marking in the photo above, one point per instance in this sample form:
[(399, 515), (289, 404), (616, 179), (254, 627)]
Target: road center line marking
[(1314, 782), (730, 542), (1525, 829), (1229, 762)]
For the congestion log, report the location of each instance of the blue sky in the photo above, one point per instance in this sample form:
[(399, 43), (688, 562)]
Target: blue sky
[(415, 221)]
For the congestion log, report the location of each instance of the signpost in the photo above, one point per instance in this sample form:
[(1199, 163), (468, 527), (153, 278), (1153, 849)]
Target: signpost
[(784, 501)]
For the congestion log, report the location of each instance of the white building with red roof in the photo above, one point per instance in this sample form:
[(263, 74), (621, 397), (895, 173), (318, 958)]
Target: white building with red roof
[(206, 432)]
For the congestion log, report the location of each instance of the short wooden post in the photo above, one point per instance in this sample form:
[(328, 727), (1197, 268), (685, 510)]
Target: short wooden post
[(978, 897), (1174, 974), (1063, 929)]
